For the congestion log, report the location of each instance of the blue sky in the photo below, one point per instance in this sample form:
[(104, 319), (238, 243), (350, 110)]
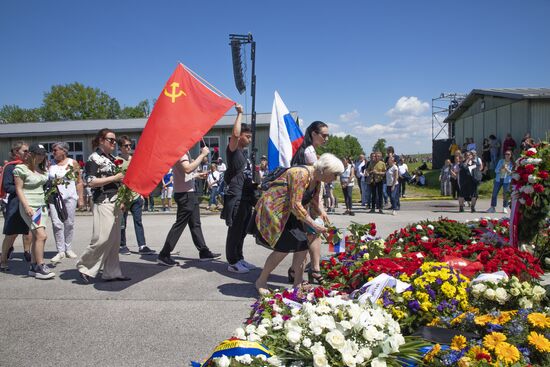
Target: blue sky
[(368, 68)]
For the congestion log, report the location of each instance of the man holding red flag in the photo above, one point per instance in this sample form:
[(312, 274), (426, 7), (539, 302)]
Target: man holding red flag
[(185, 111)]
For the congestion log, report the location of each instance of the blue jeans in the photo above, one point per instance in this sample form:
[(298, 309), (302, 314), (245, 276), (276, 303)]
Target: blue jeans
[(365, 194), (394, 196), (136, 208), (505, 194), (385, 192), (213, 195)]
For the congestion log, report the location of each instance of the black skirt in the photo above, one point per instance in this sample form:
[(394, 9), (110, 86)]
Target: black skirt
[(14, 223), (293, 238)]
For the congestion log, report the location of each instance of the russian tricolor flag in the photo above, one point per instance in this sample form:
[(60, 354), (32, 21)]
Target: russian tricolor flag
[(338, 247), (285, 136), (37, 216)]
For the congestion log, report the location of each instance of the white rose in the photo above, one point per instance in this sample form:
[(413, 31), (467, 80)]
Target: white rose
[(400, 240), (336, 339), (424, 238), (318, 348), (525, 303), (239, 333), (253, 337), (532, 179), (501, 295), (398, 255), (419, 227), (293, 336), (538, 293), (306, 342), (430, 227), (244, 359), (250, 329), (345, 324), (533, 150), (261, 331), (490, 294), (274, 361), (528, 189), (320, 360), (348, 358), (364, 353), (478, 288), (223, 361), (378, 362), (514, 291)]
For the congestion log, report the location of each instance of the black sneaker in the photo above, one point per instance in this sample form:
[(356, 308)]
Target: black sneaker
[(209, 256), (124, 250), (26, 255), (144, 250), (166, 261), (380, 211), (43, 272)]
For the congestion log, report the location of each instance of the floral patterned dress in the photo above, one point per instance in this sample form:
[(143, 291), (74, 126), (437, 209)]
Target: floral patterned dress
[(282, 209)]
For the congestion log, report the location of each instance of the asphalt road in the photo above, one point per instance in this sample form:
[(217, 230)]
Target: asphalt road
[(163, 316)]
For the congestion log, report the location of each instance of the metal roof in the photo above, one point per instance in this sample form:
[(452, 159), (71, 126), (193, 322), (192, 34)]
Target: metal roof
[(92, 126), (511, 93)]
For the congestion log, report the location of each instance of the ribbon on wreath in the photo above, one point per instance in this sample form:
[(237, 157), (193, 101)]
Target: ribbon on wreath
[(234, 348), (373, 289), (490, 277)]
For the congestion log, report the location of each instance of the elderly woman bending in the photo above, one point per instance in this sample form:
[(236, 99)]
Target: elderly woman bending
[(283, 220)]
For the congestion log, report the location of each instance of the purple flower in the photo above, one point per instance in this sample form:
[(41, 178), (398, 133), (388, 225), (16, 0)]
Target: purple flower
[(414, 306), (439, 281)]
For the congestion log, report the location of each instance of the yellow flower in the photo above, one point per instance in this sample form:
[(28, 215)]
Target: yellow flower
[(434, 322), (432, 353), (458, 343), (458, 319), (407, 295), (483, 319), (476, 349), (426, 306), (398, 314), (507, 353), (539, 341), (449, 290), (492, 340), (404, 277), (539, 320)]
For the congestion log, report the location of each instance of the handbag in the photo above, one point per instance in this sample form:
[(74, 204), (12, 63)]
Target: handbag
[(59, 204)]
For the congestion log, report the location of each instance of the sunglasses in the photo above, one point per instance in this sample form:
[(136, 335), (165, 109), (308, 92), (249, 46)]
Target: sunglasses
[(127, 145), (111, 140), (325, 136)]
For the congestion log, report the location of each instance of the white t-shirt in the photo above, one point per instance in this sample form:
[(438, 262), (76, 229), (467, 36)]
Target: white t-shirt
[(403, 169), (57, 171), (346, 177), (221, 167), (213, 178), (310, 155), (183, 182), (390, 175)]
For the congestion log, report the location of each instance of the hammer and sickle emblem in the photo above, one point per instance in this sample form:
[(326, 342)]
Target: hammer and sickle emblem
[(174, 95)]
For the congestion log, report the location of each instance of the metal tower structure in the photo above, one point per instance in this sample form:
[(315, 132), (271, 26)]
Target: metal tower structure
[(442, 107)]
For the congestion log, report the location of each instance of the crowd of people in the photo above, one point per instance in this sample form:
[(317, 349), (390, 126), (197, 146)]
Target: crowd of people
[(287, 214)]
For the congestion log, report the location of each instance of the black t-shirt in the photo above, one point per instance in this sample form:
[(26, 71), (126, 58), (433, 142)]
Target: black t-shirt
[(238, 175)]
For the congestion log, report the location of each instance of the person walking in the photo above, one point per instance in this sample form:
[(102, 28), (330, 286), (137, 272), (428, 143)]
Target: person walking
[(503, 178), (188, 211), (358, 169), (30, 177), (135, 207), (72, 194), (392, 184), (468, 179), (365, 184), (213, 182), (377, 169), (316, 135), (103, 176), (14, 224), (283, 217), (455, 168), (445, 178), (404, 176), (347, 181)]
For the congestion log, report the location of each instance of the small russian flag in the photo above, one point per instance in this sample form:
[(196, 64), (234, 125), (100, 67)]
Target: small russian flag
[(338, 247), (37, 216)]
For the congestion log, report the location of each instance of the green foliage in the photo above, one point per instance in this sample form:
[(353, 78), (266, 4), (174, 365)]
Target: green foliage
[(380, 146), (141, 110), (449, 229), (78, 102), (12, 113), (347, 146)]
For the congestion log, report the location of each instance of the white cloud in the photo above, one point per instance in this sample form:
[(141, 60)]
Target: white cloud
[(340, 134), (349, 116), (409, 106)]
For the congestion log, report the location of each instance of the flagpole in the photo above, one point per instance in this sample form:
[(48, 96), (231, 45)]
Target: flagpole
[(253, 120)]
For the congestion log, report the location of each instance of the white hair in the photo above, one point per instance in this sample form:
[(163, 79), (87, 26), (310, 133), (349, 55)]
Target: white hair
[(329, 163)]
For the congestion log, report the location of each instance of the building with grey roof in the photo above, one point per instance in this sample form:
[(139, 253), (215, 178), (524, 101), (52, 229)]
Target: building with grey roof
[(79, 134)]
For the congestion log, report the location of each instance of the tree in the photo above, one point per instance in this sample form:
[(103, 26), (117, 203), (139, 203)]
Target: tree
[(380, 146), (12, 113), (347, 146), (78, 102), (141, 110)]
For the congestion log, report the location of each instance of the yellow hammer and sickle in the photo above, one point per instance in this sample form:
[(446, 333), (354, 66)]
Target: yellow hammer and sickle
[(174, 95)]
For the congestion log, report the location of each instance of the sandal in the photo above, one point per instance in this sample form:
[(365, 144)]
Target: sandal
[(314, 276), (291, 275)]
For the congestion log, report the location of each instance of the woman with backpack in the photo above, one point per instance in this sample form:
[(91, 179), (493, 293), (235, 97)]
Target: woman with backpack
[(14, 224)]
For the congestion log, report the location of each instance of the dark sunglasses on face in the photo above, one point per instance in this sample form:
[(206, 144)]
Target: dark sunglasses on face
[(111, 140), (325, 136)]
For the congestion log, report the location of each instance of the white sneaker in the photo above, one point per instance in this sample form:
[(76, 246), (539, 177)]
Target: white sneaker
[(393, 212), (70, 254), (491, 210), (57, 258), (505, 210), (248, 265), (237, 268)]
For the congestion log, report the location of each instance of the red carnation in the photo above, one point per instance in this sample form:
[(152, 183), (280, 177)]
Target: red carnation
[(528, 201), (525, 177), (118, 162), (372, 232), (538, 188), (484, 356), (530, 153), (373, 225), (543, 175), (483, 222), (82, 164), (529, 168)]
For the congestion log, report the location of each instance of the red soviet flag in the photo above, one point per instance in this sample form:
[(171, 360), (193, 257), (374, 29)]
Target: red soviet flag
[(185, 110)]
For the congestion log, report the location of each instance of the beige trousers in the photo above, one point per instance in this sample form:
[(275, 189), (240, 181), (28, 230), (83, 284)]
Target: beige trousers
[(102, 253)]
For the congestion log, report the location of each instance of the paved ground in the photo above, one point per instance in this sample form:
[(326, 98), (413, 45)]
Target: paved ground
[(164, 316)]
